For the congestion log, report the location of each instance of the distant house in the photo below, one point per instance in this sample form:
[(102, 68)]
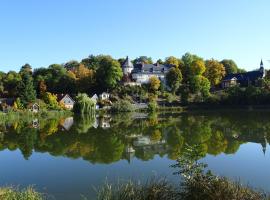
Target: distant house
[(7, 104), (95, 97), (104, 96), (243, 79), (65, 100), (34, 107)]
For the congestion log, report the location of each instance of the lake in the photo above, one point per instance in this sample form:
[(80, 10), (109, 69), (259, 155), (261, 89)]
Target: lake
[(70, 157)]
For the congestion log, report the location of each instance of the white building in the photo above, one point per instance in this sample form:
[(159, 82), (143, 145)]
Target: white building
[(141, 73)]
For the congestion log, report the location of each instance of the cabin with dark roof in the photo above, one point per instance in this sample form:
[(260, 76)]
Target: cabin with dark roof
[(243, 79)]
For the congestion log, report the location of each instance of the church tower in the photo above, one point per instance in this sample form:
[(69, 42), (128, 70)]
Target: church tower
[(261, 67)]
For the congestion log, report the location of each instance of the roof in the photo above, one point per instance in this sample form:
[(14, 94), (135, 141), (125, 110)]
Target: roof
[(61, 96), (248, 76), (128, 63), (151, 68), (8, 101)]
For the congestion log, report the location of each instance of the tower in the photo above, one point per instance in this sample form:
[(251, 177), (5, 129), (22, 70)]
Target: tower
[(127, 66), (261, 67)]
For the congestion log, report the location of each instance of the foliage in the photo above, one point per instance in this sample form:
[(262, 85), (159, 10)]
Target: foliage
[(152, 106), (230, 66), (173, 61), (84, 104), (29, 193), (122, 106), (215, 71), (200, 185), (109, 73), (51, 101), (143, 59), (27, 93), (154, 84), (174, 78)]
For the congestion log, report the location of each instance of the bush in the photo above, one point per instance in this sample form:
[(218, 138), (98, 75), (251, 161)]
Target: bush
[(16, 194), (122, 106), (152, 106), (84, 104)]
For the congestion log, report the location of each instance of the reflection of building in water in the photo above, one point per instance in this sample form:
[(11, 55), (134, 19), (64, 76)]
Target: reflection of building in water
[(95, 124), (264, 144), (104, 122), (67, 124), (35, 123), (130, 153), (145, 141)]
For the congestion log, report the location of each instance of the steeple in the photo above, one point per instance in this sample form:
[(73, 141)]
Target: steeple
[(261, 65), (262, 68)]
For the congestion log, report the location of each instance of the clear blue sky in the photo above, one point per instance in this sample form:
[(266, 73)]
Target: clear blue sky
[(56, 31)]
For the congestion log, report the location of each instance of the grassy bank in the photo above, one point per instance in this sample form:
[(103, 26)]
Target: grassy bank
[(29, 193), (29, 116), (201, 188)]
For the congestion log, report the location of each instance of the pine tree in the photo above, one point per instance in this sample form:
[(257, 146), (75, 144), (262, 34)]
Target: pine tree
[(27, 93)]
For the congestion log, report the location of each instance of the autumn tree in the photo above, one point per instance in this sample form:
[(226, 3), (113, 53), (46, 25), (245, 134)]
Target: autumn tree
[(51, 101), (154, 84), (84, 78), (174, 78), (193, 69), (215, 71), (173, 61)]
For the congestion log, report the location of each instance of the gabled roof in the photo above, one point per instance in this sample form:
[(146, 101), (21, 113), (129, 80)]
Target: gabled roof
[(61, 96), (151, 68), (8, 101)]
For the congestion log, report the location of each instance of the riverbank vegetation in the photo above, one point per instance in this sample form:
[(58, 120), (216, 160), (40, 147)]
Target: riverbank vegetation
[(11, 193), (190, 80)]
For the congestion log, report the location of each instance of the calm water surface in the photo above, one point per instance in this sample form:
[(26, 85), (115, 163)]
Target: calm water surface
[(68, 158)]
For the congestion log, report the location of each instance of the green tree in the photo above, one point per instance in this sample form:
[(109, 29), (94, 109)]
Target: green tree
[(215, 71), (72, 65), (174, 78), (27, 93), (143, 59), (11, 81), (84, 104), (230, 66), (109, 73)]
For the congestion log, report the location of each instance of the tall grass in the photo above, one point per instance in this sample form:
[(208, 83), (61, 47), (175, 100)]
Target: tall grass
[(29, 193)]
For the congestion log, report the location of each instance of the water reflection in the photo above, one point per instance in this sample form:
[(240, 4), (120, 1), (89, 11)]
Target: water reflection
[(108, 139)]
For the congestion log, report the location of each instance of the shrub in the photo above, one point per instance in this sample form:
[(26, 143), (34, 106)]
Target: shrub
[(16, 194), (122, 106), (152, 106), (84, 104)]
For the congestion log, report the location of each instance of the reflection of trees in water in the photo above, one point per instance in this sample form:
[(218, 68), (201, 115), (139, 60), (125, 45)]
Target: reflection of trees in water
[(212, 134)]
